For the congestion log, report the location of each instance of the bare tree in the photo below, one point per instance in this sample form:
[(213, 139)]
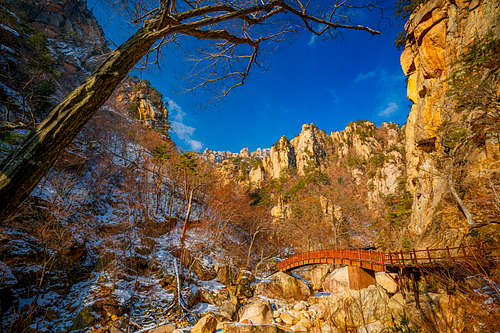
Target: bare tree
[(238, 28)]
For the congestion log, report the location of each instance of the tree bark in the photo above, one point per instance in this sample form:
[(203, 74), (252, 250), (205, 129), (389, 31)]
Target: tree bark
[(185, 184), (451, 185), (21, 171), (252, 241), (461, 205), (188, 214)]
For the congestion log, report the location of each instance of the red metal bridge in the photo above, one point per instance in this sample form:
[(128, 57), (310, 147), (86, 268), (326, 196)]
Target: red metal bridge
[(392, 260)]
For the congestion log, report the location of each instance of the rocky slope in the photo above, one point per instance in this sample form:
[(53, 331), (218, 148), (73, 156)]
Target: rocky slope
[(451, 60), (57, 253)]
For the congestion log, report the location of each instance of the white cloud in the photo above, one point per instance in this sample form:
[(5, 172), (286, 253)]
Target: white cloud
[(312, 40), (179, 114), (390, 95), (195, 144), (335, 98), (314, 37), (365, 76), (389, 110), (183, 131)]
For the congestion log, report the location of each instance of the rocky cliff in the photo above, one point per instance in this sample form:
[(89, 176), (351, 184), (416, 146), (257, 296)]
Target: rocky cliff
[(360, 172), (452, 133), (49, 48)]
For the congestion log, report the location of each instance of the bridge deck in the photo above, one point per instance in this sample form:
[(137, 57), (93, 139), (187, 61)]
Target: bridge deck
[(384, 261)]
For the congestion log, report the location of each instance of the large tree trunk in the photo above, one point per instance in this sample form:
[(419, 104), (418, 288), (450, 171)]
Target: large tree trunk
[(21, 171), (460, 203), (188, 214)]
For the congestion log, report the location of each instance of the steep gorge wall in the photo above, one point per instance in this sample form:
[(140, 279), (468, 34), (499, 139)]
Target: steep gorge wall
[(439, 33)]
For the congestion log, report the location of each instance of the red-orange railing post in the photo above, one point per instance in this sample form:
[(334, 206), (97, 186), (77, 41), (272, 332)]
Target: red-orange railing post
[(464, 252), (429, 255), (382, 260)]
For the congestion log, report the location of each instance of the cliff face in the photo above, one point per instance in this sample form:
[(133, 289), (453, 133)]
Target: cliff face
[(52, 45), (46, 50), (360, 146), (143, 102), (362, 166), (449, 44)]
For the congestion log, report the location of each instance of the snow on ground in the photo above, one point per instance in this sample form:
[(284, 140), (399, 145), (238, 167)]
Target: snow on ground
[(75, 54), (18, 20), (16, 97), (9, 29), (7, 49), (203, 308), (212, 285), (6, 276)]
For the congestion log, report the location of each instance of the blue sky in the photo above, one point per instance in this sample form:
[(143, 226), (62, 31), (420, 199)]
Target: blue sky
[(355, 76)]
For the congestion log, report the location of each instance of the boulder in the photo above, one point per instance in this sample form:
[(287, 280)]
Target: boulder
[(348, 277), (300, 306), (169, 328), (396, 306), (247, 328), (225, 274), (257, 312), (204, 271), (85, 318), (207, 324), (211, 297), (284, 286), (375, 327), (299, 328), (228, 309), (387, 282), (318, 275), (304, 322), (288, 318), (361, 306), (337, 281), (318, 310)]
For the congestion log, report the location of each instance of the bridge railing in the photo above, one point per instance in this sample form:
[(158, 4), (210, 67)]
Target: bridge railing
[(364, 258), (430, 257), (381, 261)]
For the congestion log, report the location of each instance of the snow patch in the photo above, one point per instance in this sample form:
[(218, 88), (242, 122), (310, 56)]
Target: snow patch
[(9, 29), (6, 48)]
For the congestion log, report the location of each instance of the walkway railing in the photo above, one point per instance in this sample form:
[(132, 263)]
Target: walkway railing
[(383, 261)]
